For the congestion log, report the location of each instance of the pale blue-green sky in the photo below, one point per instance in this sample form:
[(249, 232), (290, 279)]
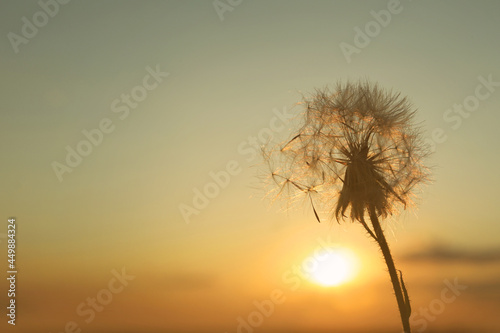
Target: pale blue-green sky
[(120, 206)]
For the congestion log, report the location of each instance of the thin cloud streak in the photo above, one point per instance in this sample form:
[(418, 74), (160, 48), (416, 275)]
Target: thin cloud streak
[(445, 254)]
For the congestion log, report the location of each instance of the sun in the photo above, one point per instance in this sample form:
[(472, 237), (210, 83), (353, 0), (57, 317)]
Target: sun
[(331, 267)]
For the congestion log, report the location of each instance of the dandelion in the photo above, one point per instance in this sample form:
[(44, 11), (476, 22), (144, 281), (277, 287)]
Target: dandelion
[(359, 155)]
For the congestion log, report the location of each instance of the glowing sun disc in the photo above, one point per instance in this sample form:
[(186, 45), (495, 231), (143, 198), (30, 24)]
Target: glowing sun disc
[(331, 267)]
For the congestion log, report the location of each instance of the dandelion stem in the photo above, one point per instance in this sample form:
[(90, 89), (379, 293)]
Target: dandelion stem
[(370, 232), (403, 302)]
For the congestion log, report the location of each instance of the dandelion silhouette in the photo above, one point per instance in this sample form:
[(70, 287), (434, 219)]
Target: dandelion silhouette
[(359, 155)]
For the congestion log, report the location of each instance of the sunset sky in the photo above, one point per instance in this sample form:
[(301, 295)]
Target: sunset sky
[(177, 97)]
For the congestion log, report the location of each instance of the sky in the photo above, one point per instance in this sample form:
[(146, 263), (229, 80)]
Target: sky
[(130, 143)]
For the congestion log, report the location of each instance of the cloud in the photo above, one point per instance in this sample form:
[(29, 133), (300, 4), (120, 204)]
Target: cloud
[(486, 289), (443, 254)]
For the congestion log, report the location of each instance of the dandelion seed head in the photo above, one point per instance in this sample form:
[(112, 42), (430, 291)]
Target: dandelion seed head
[(356, 149)]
